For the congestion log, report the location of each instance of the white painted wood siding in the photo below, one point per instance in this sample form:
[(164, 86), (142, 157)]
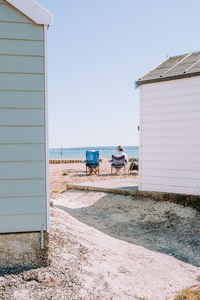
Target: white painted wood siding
[(170, 136), (23, 205)]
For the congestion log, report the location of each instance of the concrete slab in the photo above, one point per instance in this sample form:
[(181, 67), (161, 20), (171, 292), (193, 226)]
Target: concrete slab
[(23, 250), (118, 183)]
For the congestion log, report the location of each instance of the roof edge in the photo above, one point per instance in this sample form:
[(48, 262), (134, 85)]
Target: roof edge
[(33, 10), (141, 82)]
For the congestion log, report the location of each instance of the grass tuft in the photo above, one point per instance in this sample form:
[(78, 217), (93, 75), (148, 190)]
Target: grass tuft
[(65, 173), (189, 294)]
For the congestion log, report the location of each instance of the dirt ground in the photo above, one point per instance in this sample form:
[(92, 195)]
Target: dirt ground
[(75, 173), (89, 264), (160, 226), (110, 247)]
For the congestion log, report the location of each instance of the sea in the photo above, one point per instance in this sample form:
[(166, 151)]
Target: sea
[(79, 153)]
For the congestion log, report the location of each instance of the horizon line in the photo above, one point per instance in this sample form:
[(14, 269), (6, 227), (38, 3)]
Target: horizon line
[(65, 147)]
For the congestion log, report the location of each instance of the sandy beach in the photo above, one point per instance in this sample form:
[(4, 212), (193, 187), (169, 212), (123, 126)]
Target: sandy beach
[(110, 247), (62, 174), (133, 266)]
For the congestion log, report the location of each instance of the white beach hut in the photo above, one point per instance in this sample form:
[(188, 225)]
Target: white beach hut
[(170, 126), (24, 188)]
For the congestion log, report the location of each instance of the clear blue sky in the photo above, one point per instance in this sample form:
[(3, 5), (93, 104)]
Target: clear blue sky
[(97, 50)]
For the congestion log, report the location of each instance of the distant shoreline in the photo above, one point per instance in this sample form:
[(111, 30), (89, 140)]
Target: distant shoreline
[(79, 153)]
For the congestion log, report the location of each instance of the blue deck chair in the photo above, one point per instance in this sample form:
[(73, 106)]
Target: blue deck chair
[(92, 160)]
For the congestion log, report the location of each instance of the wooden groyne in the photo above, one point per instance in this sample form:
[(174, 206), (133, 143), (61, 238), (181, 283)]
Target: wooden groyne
[(76, 161), (64, 161)]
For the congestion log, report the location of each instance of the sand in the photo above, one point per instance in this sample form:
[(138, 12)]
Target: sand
[(112, 268), (88, 264), (134, 249), (160, 226), (110, 247), (76, 174)]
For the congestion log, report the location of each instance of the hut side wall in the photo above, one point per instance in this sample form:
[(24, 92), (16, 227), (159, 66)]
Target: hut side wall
[(170, 136), (22, 123)]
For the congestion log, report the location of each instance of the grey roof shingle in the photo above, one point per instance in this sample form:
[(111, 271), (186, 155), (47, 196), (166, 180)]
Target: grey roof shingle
[(174, 67)]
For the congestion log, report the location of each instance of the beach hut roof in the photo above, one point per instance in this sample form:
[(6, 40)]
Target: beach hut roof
[(33, 10), (175, 67)]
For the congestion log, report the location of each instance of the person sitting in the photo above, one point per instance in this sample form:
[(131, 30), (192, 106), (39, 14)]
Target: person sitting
[(119, 159)]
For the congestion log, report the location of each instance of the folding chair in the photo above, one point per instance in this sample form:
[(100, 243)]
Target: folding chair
[(134, 166), (92, 162), (118, 162)]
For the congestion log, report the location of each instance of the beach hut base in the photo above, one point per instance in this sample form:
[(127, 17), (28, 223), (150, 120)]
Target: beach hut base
[(24, 250)]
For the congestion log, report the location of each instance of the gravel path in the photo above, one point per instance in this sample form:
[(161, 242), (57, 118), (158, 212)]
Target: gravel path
[(160, 226), (96, 262), (121, 270)]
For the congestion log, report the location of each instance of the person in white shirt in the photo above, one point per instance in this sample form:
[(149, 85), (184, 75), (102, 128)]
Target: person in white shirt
[(119, 153)]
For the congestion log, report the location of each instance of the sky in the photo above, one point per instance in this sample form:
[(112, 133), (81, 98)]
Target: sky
[(97, 49)]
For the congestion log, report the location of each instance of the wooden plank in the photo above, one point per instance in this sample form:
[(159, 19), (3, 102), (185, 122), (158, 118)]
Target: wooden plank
[(181, 182), (21, 64), (9, 13), (21, 47), (170, 148), (172, 84), (170, 189), (18, 135), (154, 164), (171, 116), (171, 173), (180, 108), (24, 99), (150, 141), (21, 31), (22, 223), (172, 100), (195, 157), (22, 117), (23, 188), (22, 170), (19, 206), (170, 92), (172, 125), (171, 132), (22, 152), (26, 82)]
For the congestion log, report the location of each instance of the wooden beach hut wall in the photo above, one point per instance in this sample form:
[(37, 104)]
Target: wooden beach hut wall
[(23, 117), (170, 126)]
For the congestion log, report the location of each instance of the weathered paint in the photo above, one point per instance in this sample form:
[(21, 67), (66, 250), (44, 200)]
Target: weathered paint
[(170, 136), (22, 123)]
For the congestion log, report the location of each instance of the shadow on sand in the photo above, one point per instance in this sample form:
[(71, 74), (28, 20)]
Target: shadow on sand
[(16, 270), (160, 226)]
